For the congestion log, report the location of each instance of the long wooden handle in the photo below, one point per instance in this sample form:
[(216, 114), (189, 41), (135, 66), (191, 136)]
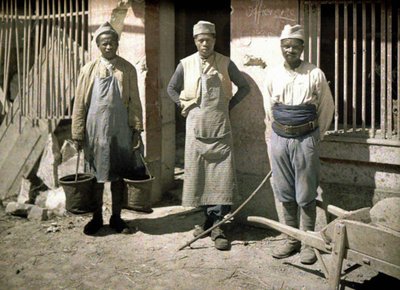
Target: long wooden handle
[(229, 216), (77, 166)]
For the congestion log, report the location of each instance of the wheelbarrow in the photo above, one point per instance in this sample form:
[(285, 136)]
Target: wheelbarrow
[(350, 236)]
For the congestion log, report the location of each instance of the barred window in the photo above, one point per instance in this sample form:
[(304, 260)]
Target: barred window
[(357, 45)]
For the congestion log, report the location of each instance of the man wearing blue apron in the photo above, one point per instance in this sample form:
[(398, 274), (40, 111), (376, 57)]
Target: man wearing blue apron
[(202, 87), (299, 107), (106, 122)]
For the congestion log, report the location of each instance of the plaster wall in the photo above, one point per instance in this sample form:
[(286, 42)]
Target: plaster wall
[(255, 31), (167, 67)]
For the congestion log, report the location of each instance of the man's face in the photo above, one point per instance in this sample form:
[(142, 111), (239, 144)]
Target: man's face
[(108, 45), (205, 43), (291, 50)]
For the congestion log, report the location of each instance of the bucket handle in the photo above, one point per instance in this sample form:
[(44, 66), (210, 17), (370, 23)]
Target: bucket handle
[(145, 165)]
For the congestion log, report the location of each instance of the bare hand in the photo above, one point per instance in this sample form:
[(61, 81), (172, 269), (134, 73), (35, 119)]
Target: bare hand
[(136, 140), (78, 144)]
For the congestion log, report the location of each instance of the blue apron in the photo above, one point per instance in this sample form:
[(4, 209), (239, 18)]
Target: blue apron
[(108, 137)]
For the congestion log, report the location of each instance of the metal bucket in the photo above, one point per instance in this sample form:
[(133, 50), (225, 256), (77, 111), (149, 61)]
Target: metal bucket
[(79, 195), (137, 195)]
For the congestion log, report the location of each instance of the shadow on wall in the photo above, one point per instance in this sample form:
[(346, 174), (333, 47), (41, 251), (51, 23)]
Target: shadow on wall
[(251, 157)]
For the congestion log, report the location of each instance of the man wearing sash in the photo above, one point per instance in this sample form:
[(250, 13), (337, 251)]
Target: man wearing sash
[(299, 106)]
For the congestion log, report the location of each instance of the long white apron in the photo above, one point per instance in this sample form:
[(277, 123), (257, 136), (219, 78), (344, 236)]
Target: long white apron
[(209, 166), (108, 138)]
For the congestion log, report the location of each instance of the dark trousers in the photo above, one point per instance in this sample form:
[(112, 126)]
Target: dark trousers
[(216, 213), (117, 194)]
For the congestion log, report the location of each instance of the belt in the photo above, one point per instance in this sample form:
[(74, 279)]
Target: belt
[(297, 130)]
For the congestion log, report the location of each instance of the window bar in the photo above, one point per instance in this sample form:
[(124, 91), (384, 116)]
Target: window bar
[(66, 62), (336, 67), (48, 78), (300, 12), (83, 34), (61, 48), (364, 64), (76, 49), (398, 74), (36, 62), (389, 109), (306, 29), (345, 63), (10, 104), (373, 73), (54, 81), (40, 84), (70, 62), (58, 55), (51, 61), (24, 65), (29, 71), (354, 78), (89, 38), (383, 70), (18, 60), (318, 34), (310, 32), (6, 57), (3, 35), (2, 22)]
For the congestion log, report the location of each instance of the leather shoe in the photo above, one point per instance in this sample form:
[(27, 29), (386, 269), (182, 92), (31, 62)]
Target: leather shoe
[(118, 224), (289, 247), (307, 255), (93, 226), (220, 240), (198, 230)]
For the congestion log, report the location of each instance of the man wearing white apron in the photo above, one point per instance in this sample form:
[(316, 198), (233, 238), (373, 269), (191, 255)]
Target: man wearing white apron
[(106, 122), (201, 86)]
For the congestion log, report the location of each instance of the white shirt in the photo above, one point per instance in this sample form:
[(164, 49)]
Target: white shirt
[(304, 85)]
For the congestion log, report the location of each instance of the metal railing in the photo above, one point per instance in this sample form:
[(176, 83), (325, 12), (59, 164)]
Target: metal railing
[(43, 45)]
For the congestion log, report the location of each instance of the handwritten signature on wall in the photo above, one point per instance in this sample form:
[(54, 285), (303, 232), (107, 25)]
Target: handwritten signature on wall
[(259, 10)]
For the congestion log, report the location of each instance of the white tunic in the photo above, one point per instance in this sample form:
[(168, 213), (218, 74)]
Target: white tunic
[(304, 85)]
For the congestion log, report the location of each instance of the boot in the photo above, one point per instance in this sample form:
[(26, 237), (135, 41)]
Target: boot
[(308, 215), (220, 240), (96, 223), (118, 224), (290, 245), (198, 230)]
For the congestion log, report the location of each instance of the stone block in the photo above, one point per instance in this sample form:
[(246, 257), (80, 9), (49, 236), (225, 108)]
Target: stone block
[(18, 209), (49, 162), (41, 199), (26, 187), (68, 167), (386, 213), (37, 213), (55, 201), (68, 150)]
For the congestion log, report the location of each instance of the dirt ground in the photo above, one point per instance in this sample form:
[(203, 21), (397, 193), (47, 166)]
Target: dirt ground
[(55, 254)]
